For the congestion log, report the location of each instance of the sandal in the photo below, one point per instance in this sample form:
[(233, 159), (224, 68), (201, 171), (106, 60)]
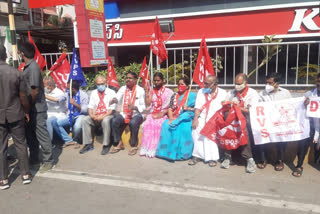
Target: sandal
[(69, 144), (297, 172), (212, 163), (262, 165), (133, 151), (193, 161), (279, 166), (116, 149), (76, 146)]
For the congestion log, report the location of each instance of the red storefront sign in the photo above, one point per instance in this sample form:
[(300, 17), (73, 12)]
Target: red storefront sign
[(91, 32), (285, 22), (48, 3)]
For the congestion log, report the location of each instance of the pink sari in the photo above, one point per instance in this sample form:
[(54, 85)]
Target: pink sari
[(152, 127)]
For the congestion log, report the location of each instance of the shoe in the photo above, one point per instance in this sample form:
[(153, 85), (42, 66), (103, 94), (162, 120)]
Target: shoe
[(225, 164), (105, 150), (86, 148), (45, 167), (26, 179), (251, 166), (4, 184)]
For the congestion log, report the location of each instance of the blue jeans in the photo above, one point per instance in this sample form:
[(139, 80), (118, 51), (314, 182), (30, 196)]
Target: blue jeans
[(50, 122), (59, 126)]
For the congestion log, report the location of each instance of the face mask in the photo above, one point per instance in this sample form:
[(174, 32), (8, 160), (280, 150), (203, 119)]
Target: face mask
[(269, 88), (207, 90), (101, 88), (240, 87), (182, 88), (47, 90), (68, 91)]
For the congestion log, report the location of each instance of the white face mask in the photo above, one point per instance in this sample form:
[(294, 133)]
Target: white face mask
[(240, 87), (47, 91), (269, 88)]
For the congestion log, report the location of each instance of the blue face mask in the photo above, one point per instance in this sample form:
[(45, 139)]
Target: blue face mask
[(101, 88), (68, 91), (207, 90)]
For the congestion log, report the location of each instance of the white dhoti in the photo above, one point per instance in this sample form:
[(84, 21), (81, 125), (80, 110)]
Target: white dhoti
[(204, 148)]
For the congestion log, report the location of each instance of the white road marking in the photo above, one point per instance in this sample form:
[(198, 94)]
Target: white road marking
[(164, 188)]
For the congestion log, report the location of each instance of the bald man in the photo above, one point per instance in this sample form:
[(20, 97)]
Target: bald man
[(244, 97), (208, 102), (100, 114)]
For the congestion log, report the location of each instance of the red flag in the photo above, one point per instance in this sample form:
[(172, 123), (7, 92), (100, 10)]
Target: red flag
[(157, 43), (21, 67), (60, 71), (111, 76), (144, 74), (37, 56), (204, 65), (229, 134)]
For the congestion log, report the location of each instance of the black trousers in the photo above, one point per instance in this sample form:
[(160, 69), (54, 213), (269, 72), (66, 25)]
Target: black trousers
[(37, 134), (118, 125), (281, 148), (303, 146), (17, 131)]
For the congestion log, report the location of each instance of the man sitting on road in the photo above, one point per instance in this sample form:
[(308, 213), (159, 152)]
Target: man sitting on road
[(100, 114)]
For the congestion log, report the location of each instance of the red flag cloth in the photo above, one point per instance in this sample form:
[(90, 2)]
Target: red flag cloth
[(48, 3), (60, 71), (37, 56), (157, 43), (144, 74), (229, 134), (204, 65), (111, 76), (21, 67)]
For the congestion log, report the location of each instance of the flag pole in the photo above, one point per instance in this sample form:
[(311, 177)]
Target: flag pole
[(70, 89)]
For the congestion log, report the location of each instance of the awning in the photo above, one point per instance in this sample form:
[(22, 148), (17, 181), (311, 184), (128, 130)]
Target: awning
[(49, 33)]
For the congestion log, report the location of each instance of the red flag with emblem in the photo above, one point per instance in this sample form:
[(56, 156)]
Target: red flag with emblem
[(204, 65), (60, 71), (21, 67), (157, 43), (111, 76), (229, 133), (144, 74), (37, 55)]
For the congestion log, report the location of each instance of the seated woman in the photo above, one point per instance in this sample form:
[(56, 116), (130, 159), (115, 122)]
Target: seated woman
[(175, 139), (158, 99)]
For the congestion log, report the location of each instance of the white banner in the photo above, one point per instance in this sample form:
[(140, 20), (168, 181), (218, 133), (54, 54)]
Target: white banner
[(313, 109), (279, 121)]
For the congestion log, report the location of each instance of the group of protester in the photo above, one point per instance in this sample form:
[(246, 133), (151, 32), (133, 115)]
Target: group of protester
[(172, 122)]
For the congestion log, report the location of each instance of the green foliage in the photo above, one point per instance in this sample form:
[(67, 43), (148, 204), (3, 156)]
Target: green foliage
[(302, 73)]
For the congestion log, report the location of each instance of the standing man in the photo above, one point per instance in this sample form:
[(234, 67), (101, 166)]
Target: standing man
[(131, 98), (79, 109), (100, 115), (37, 132), (56, 101), (244, 97), (13, 107), (208, 101), (273, 92)]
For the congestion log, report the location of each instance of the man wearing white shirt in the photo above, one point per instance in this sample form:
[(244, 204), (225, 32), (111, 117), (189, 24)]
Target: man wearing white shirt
[(244, 97), (56, 102), (208, 102), (131, 98), (100, 114)]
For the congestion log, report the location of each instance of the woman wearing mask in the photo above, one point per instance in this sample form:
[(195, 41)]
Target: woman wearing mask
[(158, 99), (175, 139)]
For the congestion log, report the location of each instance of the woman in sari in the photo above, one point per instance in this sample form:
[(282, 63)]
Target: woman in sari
[(158, 99), (175, 139)]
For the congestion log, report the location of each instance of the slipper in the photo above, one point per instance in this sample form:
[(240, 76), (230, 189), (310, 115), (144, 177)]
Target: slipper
[(279, 166), (116, 149), (212, 163), (262, 165), (68, 144), (76, 146), (297, 172), (133, 151), (193, 161)]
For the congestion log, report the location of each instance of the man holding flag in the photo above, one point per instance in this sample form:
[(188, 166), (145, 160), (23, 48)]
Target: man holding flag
[(78, 102), (208, 101), (37, 132)]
